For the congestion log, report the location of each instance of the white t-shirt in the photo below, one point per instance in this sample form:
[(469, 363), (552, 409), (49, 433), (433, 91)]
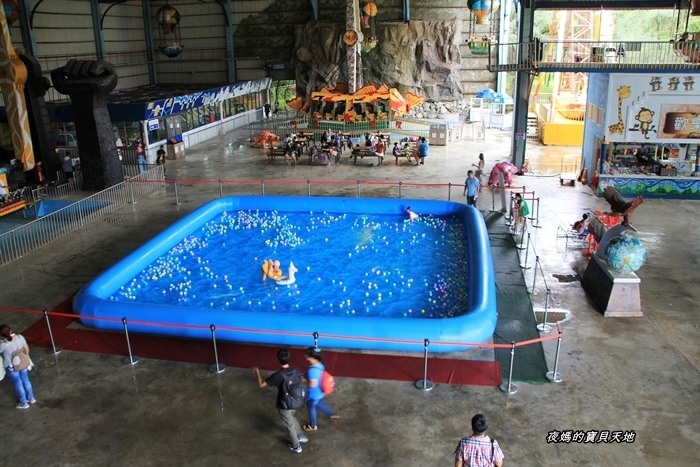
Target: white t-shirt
[(7, 348)]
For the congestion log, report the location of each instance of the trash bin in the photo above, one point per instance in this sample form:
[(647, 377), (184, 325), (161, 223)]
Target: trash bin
[(175, 151), (438, 134), (457, 132)]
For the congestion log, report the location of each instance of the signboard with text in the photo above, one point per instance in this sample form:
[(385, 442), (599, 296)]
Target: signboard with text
[(659, 108)]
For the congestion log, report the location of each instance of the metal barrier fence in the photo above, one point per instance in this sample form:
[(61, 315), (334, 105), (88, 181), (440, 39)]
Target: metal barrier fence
[(61, 190), (21, 240), (194, 190), (507, 386), (78, 214)]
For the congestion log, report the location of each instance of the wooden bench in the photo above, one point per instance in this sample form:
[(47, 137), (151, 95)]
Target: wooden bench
[(413, 153), (365, 152)]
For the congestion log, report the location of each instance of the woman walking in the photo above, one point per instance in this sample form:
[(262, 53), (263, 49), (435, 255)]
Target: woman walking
[(15, 359), (479, 168), (314, 399)]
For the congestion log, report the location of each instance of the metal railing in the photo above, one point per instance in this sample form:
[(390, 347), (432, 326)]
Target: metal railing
[(596, 55), (62, 189), (28, 237)]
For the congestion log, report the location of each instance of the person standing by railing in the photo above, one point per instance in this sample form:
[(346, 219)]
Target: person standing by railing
[(67, 165), (141, 158), (160, 158), (471, 188)]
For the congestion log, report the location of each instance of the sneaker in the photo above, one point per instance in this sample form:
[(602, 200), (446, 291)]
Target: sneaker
[(32, 401), (23, 406), (302, 439), (296, 448)]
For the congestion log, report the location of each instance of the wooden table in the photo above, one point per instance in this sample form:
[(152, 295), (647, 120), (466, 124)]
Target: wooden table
[(275, 152), (365, 152)]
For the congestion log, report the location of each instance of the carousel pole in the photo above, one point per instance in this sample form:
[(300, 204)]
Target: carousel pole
[(352, 11)]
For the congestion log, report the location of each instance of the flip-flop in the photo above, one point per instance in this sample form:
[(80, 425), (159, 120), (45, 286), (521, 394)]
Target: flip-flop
[(310, 428)]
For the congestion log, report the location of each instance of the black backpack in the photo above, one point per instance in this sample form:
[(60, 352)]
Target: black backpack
[(293, 391)]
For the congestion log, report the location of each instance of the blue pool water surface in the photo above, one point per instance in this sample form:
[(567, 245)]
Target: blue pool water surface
[(376, 265), (367, 277)]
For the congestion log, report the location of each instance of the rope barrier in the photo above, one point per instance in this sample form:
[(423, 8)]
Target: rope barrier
[(423, 384), (288, 181), (263, 331)]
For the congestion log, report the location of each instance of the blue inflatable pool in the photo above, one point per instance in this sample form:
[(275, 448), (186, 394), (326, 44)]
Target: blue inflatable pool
[(241, 322)]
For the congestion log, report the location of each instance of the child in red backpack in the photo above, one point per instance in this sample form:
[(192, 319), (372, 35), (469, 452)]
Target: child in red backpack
[(314, 398)]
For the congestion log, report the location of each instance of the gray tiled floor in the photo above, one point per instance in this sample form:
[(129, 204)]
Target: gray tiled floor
[(631, 374)]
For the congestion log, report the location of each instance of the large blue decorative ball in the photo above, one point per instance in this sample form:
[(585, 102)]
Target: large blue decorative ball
[(625, 253)]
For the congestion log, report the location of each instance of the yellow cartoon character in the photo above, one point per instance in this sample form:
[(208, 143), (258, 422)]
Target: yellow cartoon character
[(644, 117)]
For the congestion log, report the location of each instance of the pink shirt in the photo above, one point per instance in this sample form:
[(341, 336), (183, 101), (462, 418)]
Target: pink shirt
[(476, 451)]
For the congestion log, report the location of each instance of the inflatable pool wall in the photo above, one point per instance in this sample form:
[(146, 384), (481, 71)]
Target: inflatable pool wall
[(476, 325)]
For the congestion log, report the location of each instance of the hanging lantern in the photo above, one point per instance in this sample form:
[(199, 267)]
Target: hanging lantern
[(482, 9), (168, 18), (368, 44), (479, 46), (369, 11), (11, 11)]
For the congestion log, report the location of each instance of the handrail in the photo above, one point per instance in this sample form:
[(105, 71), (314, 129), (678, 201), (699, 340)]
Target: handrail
[(584, 55), (28, 237)]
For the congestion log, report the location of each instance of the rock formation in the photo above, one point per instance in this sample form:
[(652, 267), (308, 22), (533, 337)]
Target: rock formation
[(418, 56)]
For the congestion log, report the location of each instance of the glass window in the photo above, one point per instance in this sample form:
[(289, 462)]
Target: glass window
[(156, 129), (186, 121), (128, 132)]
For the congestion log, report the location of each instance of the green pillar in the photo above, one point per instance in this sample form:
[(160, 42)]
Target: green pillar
[(97, 29), (230, 52), (28, 40), (146, 11), (522, 83)]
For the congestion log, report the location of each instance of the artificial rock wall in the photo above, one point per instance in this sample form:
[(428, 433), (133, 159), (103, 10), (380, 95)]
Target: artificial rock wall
[(418, 56)]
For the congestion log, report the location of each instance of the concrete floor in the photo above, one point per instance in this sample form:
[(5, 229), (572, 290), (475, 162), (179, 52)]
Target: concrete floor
[(628, 374)]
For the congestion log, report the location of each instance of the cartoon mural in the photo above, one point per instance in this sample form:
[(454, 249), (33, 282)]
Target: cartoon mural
[(645, 118), (659, 108), (623, 92)]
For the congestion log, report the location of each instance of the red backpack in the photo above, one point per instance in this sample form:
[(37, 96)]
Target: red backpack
[(327, 383)]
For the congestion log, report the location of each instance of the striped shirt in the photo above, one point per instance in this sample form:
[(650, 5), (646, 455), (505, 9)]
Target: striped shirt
[(476, 451)]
